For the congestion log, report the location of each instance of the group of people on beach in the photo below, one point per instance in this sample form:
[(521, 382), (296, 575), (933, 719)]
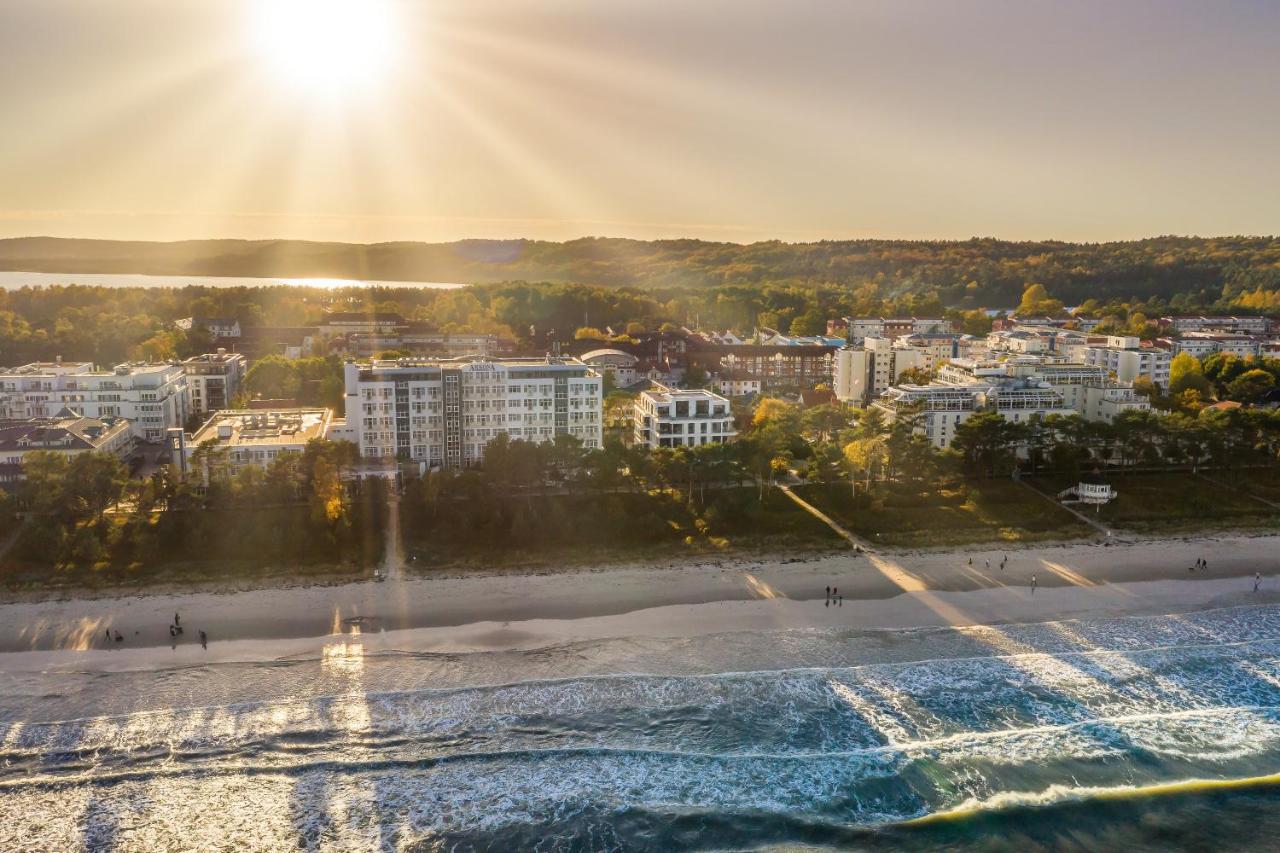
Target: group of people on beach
[(175, 631), (834, 597), (1201, 565), (1004, 561)]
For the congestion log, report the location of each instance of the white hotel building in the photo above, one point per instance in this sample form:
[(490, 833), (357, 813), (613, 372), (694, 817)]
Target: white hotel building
[(675, 417), (442, 412), (152, 397), (1017, 389)]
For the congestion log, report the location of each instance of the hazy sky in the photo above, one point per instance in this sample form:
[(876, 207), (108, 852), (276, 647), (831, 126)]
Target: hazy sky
[(723, 119)]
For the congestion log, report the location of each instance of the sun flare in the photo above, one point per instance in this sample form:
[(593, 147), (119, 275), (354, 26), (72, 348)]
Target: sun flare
[(325, 46)]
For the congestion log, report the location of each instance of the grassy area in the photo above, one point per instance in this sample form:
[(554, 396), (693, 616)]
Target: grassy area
[(986, 511), (561, 530), (1263, 482), (1172, 502), (214, 573)]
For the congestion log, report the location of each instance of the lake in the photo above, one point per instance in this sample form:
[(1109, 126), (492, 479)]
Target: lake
[(15, 280)]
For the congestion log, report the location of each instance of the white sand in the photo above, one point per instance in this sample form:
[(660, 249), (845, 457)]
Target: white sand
[(522, 611)]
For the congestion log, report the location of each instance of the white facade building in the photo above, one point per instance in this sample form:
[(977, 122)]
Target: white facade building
[(1201, 344), (1252, 325), (622, 366), (1018, 389), (863, 373), (152, 397), (214, 379), (442, 413), (1127, 359), (672, 417), (253, 437)]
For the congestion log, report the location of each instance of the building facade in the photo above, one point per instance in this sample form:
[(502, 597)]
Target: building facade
[(1017, 389), (442, 413), (152, 397), (672, 417), (1127, 359), (790, 367), (863, 373), (214, 379)]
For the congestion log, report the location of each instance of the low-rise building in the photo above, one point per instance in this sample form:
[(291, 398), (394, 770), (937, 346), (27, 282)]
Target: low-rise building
[(674, 417), (1128, 359), (1249, 324), (1201, 344), (738, 384), (622, 367), (214, 379), (1016, 388), (240, 438), (443, 412), (857, 329), (419, 339), (217, 327), (66, 432), (152, 397)]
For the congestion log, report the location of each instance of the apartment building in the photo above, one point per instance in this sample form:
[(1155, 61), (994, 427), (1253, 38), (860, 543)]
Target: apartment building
[(858, 329), (1201, 344), (66, 432), (1018, 389), (250, 437), (442, 413), (1127, 359), (672, 417), (424, 342), (933, 348), (1252, 325), (152, 397), (791, 367), (214, 379), (863, 373)]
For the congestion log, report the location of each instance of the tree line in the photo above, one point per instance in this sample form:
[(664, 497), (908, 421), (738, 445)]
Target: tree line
[(84, 512)]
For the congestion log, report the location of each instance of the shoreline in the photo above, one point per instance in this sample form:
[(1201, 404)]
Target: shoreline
[(480, 611)]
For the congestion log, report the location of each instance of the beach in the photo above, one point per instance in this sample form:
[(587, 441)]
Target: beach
[(487, 610), (1121, 700)]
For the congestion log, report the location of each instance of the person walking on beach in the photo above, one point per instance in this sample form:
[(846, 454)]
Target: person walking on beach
[(204, 641), (1257, 580), (1033, 584), (835, 590), (177, 620), (828, 592), (842, 601)]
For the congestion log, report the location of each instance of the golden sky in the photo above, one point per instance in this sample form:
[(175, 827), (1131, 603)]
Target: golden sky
[(371, 120)]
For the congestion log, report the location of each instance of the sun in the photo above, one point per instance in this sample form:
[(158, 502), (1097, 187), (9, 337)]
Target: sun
[(324, 46)]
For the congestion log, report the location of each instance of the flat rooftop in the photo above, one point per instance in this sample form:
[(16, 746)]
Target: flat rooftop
[(248, 427)]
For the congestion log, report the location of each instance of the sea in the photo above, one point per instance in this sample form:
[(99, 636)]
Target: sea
[(1129, 733), (15, 280)]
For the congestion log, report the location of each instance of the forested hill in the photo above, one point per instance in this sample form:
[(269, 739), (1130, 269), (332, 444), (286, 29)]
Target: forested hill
[(991, 271)]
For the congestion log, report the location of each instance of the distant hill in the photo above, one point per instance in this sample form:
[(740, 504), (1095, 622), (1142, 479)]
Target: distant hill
[(995, 270)]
